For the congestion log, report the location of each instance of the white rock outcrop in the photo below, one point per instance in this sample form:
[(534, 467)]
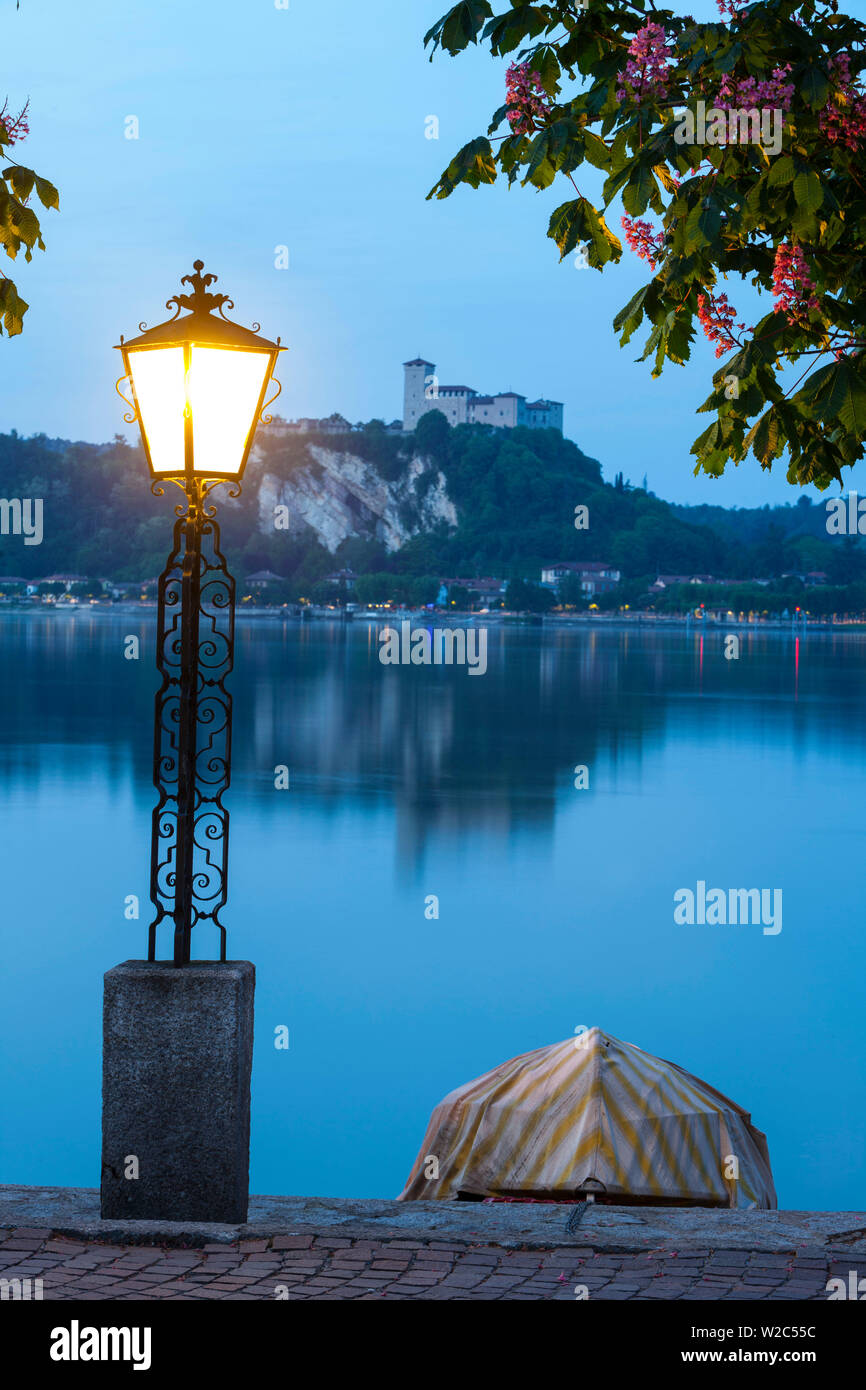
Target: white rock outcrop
[(341, 495)]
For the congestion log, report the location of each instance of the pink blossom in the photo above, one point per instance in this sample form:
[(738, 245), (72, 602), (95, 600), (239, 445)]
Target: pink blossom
[(526, 99), (717, 318), (641, 238), (749, 92), (843, 120), (646, 73), (14, 127), (793, 286)]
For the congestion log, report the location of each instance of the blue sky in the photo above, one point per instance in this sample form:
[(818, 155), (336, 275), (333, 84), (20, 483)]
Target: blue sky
[(305, 127)]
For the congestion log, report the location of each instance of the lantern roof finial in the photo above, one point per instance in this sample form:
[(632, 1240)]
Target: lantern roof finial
[(200, 301)]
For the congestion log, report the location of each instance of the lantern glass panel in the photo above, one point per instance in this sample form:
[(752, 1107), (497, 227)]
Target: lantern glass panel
[(157, 376), (224, 388)]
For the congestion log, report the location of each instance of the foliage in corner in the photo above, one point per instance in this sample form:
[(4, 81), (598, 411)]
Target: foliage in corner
[(745, 139), (19, 225)]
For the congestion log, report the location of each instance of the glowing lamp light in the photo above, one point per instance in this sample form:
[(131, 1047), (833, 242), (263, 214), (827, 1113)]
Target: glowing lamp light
[(198, 383)]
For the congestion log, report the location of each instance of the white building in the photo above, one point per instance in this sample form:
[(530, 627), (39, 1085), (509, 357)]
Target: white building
[(462, 405), (596, 576)]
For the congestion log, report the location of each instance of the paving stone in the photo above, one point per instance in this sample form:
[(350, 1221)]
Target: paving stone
[(320, 1265)]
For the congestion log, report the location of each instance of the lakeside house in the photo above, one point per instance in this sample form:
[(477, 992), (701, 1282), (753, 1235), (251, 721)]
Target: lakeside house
[(344, 579), (666, 581), (262, 577), (488, 589), (67, 580), (596, 576), (812, 578)]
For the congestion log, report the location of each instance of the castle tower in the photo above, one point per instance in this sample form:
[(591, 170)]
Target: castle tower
[(417, 383)]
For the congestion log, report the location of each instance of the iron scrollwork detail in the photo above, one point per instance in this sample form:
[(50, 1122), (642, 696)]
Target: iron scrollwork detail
[(192, 731)]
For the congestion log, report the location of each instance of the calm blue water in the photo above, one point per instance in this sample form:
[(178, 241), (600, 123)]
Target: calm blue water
[(556, 905)]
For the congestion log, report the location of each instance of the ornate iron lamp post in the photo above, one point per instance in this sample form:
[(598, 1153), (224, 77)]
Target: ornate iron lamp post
[(198, 383)]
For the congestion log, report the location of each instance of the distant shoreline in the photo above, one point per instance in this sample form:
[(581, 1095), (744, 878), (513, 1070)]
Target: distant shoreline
[(549, 621)]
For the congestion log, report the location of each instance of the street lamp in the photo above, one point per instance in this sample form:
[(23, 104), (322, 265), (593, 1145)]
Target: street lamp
[(198, 384)]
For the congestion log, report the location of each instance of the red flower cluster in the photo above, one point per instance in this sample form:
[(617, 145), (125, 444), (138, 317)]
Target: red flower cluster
[(717, 318), (14, 127), (793, 285), (843, 121), (526, 99), (642, 239), (646, 73), (729, 7)]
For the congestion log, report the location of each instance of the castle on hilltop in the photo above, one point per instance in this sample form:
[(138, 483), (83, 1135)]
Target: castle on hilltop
[(461, 405)]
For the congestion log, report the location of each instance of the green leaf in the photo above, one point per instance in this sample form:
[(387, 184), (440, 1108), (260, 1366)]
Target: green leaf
[(765, 438), (846, 401), (459, 27), (21, 180), (710, 221), (506, 31), (538, 153), (544, 61), (730, 59), (48, 195), (808, 191), (663, 174), (639, 190), (22, 223), (597, 151), (815, 384), (781, 171), (693, 231), (630, 316), (830, 232), (680, 336), (578, 222), (12, 308), (474, 164), (815, 87), (707, 441), (652, 343)]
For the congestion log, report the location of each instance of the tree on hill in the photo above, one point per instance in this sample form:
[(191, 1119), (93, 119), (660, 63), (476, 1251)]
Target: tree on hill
[(523, 597), (432, 436), (570, 591)]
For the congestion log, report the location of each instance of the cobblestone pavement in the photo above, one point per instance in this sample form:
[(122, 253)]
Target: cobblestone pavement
[(327, 1267)]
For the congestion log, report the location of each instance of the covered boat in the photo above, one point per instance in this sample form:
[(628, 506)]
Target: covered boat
[(593, 1115)]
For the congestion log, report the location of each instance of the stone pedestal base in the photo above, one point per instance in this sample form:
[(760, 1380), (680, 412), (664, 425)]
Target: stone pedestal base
[(177, 1056)]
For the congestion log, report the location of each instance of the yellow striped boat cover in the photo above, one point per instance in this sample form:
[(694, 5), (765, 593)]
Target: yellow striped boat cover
[(593, 1114)]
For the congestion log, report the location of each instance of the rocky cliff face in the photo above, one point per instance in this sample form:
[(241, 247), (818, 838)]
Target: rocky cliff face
[(338, 495)]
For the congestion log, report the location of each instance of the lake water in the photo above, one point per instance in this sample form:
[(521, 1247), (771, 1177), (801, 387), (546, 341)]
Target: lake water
[(556, 904)]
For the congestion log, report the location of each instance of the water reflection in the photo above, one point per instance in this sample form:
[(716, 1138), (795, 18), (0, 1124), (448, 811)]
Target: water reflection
[(447, 751)]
